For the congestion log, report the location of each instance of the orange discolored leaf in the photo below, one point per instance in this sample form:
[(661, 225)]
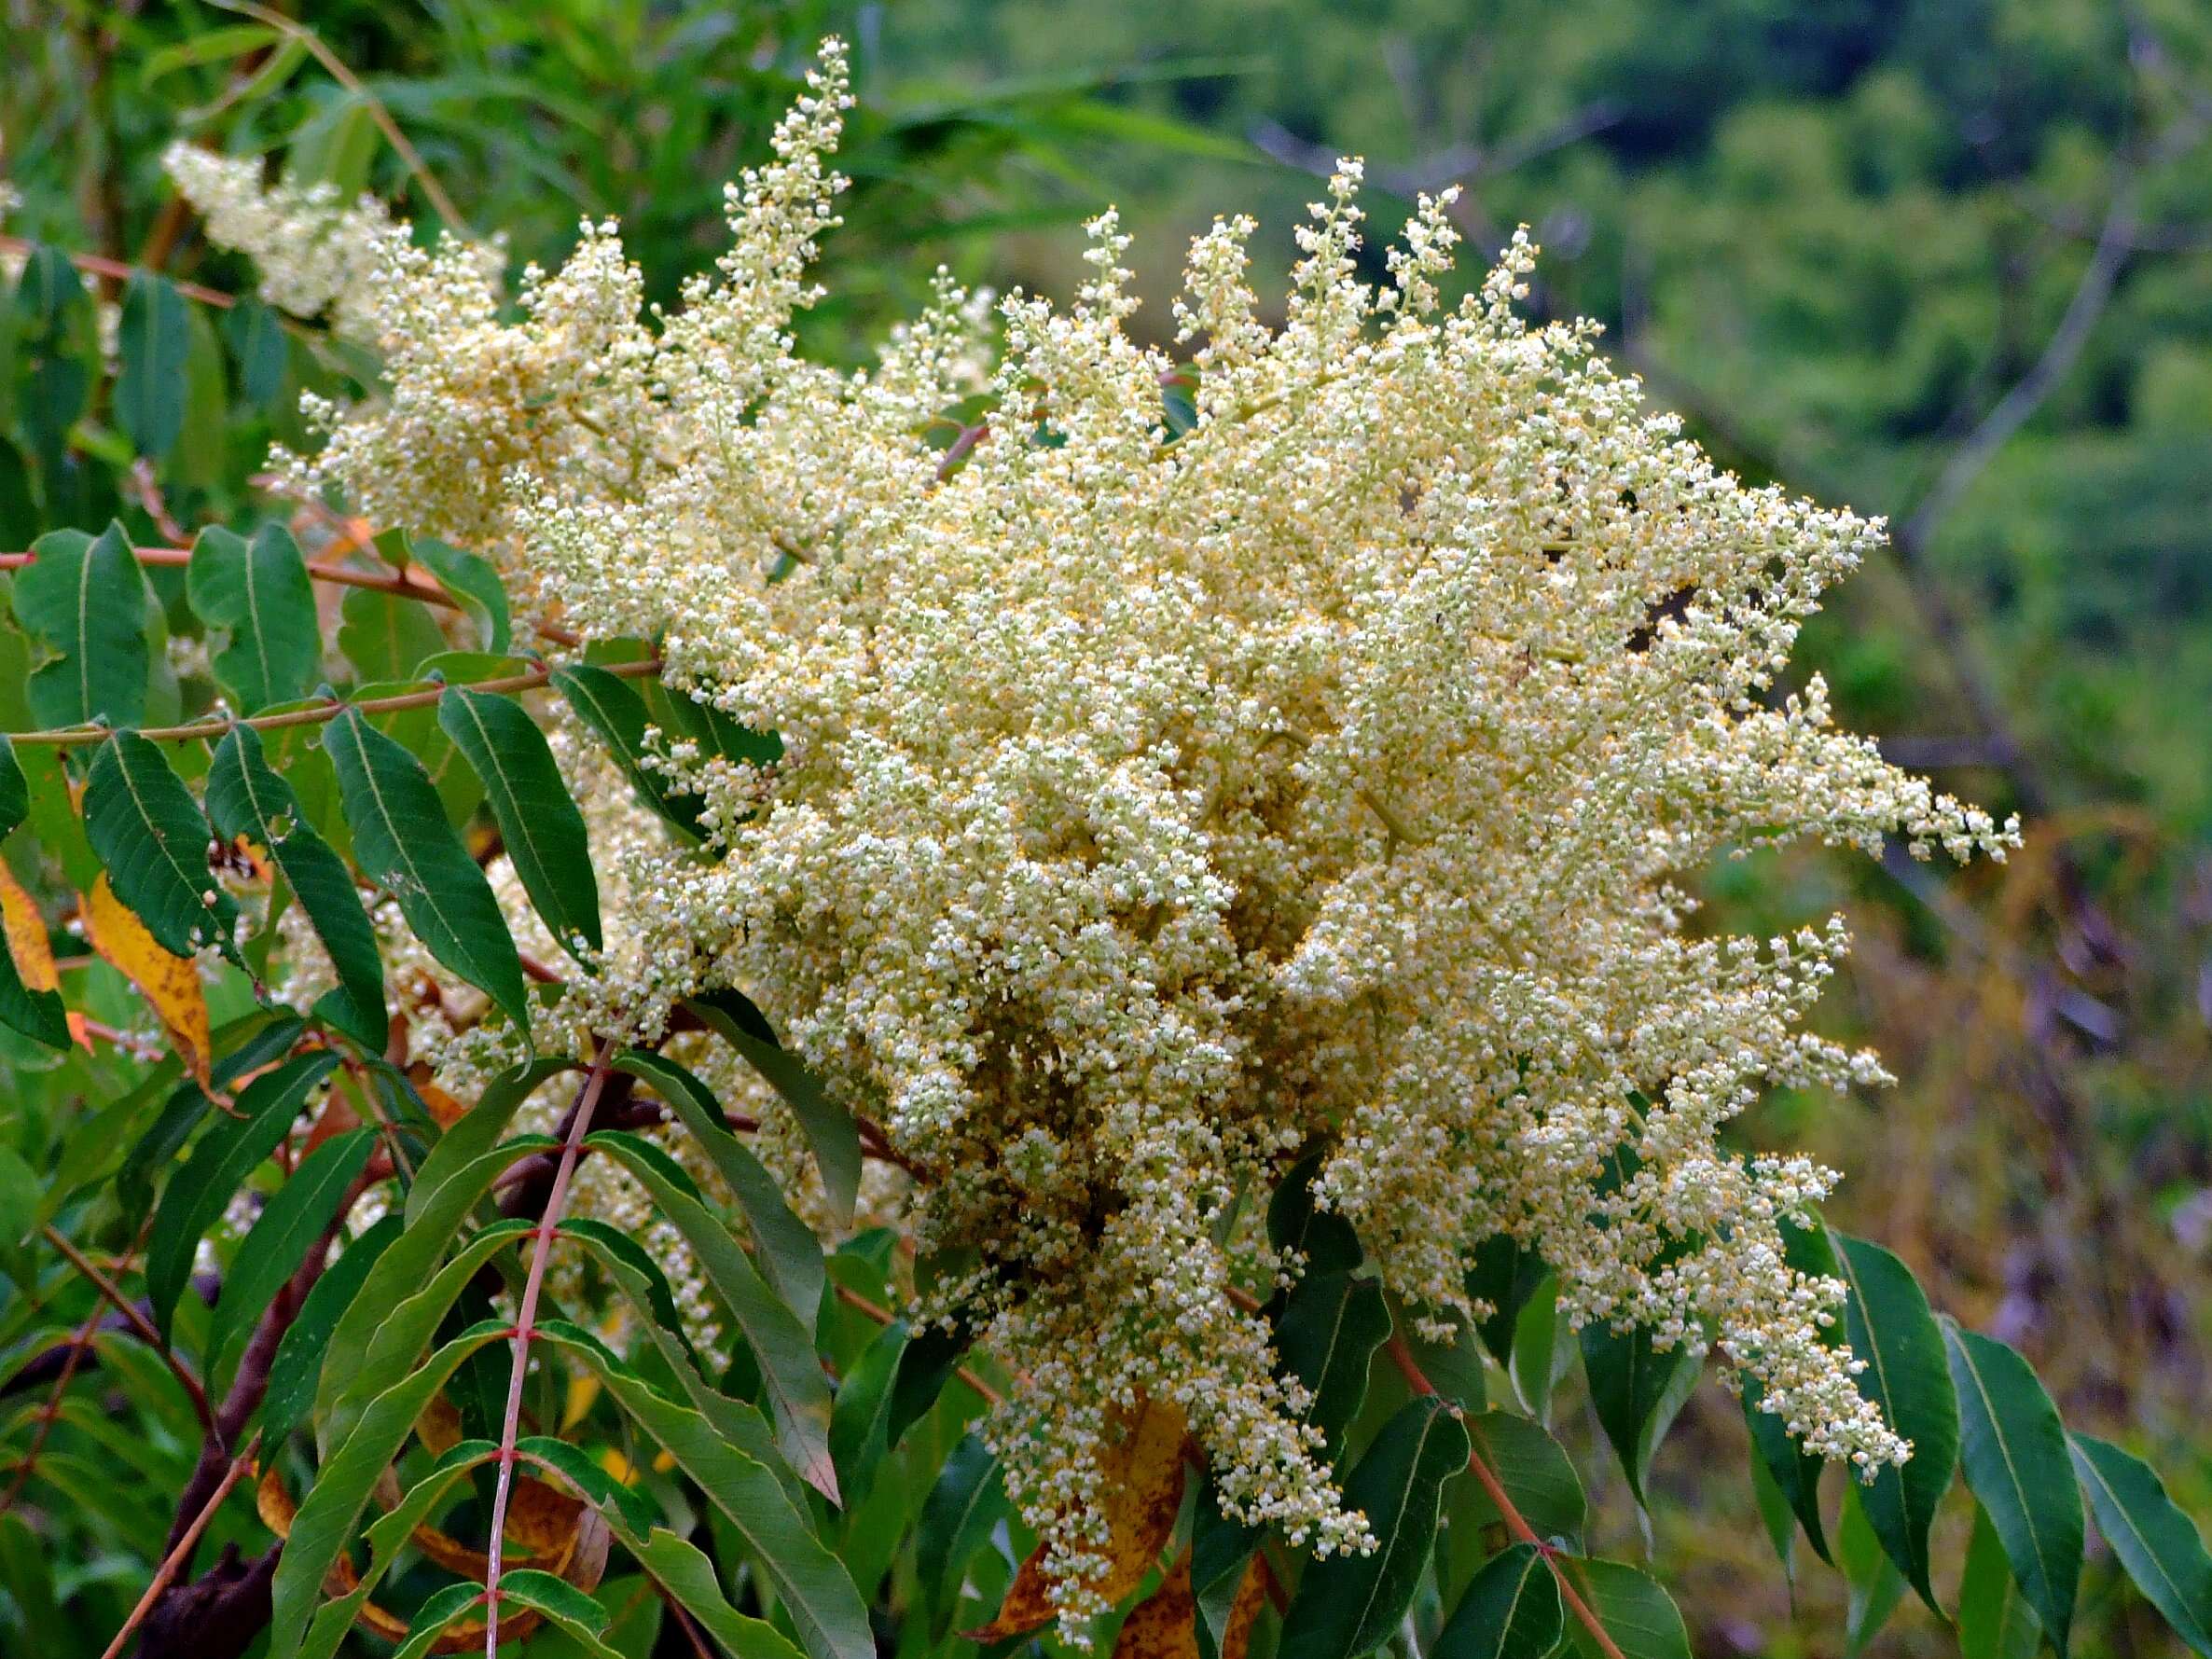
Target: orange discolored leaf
[(170, 983), (1164, 1625), (1252, 1595), (28, 943), (1141, 1477)]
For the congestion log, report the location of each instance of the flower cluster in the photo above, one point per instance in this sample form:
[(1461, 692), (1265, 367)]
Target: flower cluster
[(1154, 806)]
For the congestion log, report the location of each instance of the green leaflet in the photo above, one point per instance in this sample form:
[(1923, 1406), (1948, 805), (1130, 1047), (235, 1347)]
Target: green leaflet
[(1220, 1553), (86, 602), (968, 1500), (404, 843), (255, 335), (387, 1535), (1640, 1616), (814, 1588), (386, 637), (539, 823), (257, 595), (790, 1255), (790, 1372), (1505, 1275), (293, 1217), (2014, 1449), (829, 1128), (225, 1155), (1327, 1334), (2159, 1545), (617, 713), (1877, 1587), (1994, 1621), (1325, 1239), (1511, 1610), (298, 1362), (560, 1604), (859, 1429), (1535, 1472), (333, 1505), (1456, 1368), (153, 343), (152, 838), (1636, 1388), (246, 797), (36, 1013), (1796, 1473), (687, 1575), (1348, 1603), (1908, 1377), (471, 579)]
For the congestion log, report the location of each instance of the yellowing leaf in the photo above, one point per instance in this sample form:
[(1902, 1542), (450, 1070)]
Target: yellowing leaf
[(1141, 1477), (1164, 1625), (170, 983), (28, 943)]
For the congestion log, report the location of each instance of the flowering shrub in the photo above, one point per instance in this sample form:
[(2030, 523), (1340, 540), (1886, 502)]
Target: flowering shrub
[(1181, 873)]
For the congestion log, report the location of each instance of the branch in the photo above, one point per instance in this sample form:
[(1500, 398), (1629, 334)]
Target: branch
[(182, 1550), (50, 1412), (97, 265), (217, 726), (1516, 1523), (138, 1322), (525, 1323)]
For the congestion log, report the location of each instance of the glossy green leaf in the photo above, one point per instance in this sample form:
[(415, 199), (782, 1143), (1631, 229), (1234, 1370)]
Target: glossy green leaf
[(1504, 1276), (257, 596), (292, 1220), (1875, 1584), (831, 1133), (225, 1156), (36, 1013), (1330, 1328), (790, 1375), (687, 1576), (539, 823), (1636, 1388), (968, 1500), (1908, 1379), (859, 1431), (789, 1254), (1323, 1237), (386, 637), (1511, 1610), (86, 603), (298, 1363), (152, 343), (2159, 1545), (255, 335), (153, 841), (406, 846), (1796, 1473), (331, 1511), (1348, 1603), (471, 579), (1637, 1614), (2018, 1465), (815, 1590), (617, 713), (1536, 1474), (1456, 1367), (245, 796), (1994, 1621)]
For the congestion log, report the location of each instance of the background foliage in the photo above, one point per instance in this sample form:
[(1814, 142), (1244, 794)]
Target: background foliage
[(1947, 260)]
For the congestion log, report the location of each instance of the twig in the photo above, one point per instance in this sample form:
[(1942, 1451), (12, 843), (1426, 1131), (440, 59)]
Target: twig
[(181, 1553), (50, 1412), (525, 1321), (369, 100), (883, 1316), (138, 1322), (216, 728), (1516, 1523), (98, 265)]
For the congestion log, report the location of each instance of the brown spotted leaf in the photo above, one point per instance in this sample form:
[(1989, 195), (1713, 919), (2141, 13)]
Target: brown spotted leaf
[(1140, 1484), (1164, 1625)]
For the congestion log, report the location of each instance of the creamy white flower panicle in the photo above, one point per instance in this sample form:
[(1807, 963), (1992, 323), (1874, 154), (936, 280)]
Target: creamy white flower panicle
[(1151, 809)]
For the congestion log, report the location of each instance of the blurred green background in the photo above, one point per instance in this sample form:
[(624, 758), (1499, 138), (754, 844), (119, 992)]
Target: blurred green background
[(1945, 260)]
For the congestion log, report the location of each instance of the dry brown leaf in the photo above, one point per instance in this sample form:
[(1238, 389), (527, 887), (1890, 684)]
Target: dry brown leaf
[(170, 983), (1140, 1474)]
